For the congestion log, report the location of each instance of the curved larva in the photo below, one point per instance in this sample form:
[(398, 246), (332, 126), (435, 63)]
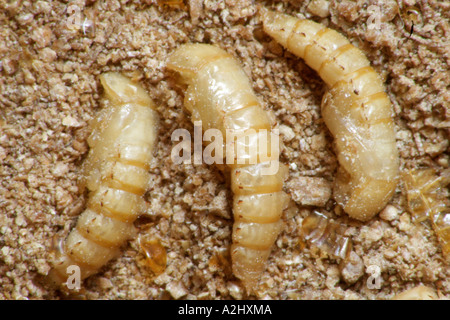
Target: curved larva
[(355, 108), (220, 95), (116, 175)]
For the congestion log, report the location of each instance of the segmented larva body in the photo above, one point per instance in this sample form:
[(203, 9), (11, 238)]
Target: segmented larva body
[(220, 95), (355, 109), (116, 175), (426, 201)]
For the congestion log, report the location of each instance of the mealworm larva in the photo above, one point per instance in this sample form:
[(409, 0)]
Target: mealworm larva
[(355, 109), (426, 201), (220, 95), (116, 175)]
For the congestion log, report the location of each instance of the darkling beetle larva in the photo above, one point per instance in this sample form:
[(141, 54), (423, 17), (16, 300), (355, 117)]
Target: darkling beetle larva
[(116, 175), (221, 96), (355, 108)]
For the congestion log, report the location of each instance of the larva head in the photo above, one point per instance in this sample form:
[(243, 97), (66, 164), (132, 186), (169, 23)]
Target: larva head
[(218, 91), (277, 25), (122, 90), (189, 58)]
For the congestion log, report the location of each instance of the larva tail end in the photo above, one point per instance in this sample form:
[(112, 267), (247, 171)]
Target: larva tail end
[(249, 280), (122, 90), (278, 25), (364, 200), (248, 265)]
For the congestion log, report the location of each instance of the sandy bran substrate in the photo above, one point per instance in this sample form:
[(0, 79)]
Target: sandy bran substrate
[(49, 90)]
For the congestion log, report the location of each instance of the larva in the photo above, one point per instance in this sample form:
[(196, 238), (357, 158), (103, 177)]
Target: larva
[(220, 95), (116, 176), (426, 202), (355, 109)]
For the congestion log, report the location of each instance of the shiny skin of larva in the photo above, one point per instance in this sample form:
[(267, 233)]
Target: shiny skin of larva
[(323, 49), (115, 174), (355, 109), (366, 149), (250, 180), (220, 95), (242, 148), (120, 204)]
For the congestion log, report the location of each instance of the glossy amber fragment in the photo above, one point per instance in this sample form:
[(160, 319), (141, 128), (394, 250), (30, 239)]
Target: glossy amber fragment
[(427, 200), (155, 253), (326, 234)]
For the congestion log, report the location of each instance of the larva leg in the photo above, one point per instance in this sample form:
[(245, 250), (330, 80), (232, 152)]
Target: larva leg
[(355, 108), (220, 95), (115, 173)]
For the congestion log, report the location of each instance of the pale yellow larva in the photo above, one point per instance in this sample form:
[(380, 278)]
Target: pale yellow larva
[(355, 108), (116, 176), (220, 95)]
